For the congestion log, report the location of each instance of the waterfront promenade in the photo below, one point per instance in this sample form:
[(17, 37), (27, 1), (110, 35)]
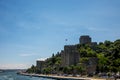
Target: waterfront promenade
[(59, 77)]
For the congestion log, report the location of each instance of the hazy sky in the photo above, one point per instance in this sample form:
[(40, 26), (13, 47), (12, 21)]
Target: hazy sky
[(34, 29)]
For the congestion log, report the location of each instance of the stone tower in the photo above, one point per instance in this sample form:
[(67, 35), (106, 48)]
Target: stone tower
[(85, 39), (39, 64), (70, 55)]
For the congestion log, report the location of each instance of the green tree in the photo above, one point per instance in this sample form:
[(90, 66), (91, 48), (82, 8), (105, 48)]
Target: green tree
[(115, 56), (33, 69), (79, 69), (102, 63)]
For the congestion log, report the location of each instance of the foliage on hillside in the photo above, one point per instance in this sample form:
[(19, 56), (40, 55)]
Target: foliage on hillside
[(107, 53)]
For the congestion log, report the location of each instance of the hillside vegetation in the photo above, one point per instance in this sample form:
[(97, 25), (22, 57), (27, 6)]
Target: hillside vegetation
[(107, 55)]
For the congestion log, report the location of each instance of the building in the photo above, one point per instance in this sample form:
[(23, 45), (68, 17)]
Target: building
[(39, 64), (85, 39), (70, 56)]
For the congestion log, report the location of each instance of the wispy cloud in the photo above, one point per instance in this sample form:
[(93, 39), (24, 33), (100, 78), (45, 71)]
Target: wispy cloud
[(41, 59), (97, 29), (14, 66), (28, 54)]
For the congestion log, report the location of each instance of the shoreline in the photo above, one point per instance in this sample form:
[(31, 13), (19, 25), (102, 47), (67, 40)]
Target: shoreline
[(58, 77)]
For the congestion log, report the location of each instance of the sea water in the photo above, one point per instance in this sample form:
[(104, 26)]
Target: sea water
[(11, 75)]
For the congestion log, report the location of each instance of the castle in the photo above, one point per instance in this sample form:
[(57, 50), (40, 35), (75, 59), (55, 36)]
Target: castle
[(71, 56)]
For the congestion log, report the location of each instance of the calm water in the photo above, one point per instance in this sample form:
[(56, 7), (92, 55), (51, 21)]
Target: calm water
[(11, 75)]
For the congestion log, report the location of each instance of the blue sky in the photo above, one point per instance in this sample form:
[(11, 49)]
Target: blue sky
[(34, 29)]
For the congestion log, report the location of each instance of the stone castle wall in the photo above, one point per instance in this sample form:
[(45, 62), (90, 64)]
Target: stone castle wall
[(70, 55)]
